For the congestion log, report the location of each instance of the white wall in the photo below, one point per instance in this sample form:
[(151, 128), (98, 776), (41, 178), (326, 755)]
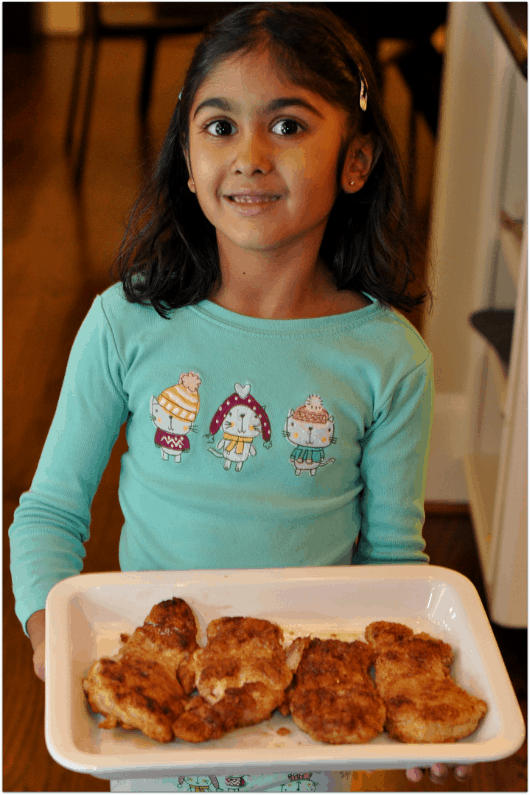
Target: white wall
[(445, 476)]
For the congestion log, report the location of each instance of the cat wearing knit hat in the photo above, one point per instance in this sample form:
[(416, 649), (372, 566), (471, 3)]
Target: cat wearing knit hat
[(310, 428), (173, 414), (242, 419)]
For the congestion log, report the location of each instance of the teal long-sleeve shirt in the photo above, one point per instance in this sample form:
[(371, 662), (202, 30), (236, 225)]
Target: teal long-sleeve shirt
[(251, 443)]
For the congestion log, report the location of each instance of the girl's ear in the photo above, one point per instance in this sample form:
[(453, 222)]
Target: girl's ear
[(362, 156), (191, 183)]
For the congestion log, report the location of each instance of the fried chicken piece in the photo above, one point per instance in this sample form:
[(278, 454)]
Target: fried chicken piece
[(201, 721), (412, 674), (333, 698), (135, 693), (243, 658), (138, 688), (168, 635), (384, 633)]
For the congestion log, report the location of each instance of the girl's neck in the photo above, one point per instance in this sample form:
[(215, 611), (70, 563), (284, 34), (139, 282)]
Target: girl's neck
[(265, 287)]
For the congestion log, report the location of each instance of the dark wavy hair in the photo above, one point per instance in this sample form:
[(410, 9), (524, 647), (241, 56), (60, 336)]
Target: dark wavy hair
[(169, 256)]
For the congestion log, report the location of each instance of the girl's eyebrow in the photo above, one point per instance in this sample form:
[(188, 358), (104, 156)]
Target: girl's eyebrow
[(275, 104)]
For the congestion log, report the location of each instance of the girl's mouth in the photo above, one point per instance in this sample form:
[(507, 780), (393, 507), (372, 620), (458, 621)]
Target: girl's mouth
[(250, 205)]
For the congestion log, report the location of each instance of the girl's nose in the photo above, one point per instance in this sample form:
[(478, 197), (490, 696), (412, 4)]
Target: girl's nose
[(252, 155)]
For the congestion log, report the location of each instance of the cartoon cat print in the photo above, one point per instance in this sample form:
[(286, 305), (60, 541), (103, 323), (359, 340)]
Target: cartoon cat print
[(173, 414), (310, 428), (199, 783), (299, 782), (242, 420), (235, 783)]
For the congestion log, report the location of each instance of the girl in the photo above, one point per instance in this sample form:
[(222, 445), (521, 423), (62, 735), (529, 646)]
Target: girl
[(278, 405)]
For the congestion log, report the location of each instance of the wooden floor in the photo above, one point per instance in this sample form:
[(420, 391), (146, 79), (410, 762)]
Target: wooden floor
[(58, 246)]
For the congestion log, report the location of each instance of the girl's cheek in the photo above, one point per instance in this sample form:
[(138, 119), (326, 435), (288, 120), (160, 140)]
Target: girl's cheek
[(208, 163)]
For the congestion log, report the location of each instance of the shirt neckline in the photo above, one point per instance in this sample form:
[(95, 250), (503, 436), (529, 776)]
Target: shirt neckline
[(299, 325)]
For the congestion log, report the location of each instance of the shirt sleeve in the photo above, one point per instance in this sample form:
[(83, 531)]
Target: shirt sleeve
[(51, 523), (394, 470)]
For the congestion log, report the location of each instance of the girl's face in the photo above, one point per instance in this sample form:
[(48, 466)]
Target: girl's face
[(252, 131)]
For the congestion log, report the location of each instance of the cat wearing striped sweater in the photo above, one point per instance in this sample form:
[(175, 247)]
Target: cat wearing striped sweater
[(173, 414)]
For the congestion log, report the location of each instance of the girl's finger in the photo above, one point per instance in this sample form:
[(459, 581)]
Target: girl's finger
[(463, 772), (438, 773), (39, 662), (414, 774)]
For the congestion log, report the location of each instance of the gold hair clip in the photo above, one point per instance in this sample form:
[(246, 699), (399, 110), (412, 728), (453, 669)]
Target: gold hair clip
[(363, 99)]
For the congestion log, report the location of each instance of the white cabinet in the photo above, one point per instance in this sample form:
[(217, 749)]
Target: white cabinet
[(496, 465), (479, 230)]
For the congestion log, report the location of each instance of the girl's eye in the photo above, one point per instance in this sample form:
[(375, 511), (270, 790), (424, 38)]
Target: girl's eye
[(217, 125), (222, 123), (288, 123)]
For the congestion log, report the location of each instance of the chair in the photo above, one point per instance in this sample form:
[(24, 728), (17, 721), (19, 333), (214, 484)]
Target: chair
[(102, 21)]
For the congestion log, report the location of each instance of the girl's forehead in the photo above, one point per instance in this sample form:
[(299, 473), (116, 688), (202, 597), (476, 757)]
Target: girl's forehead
[(253, 73)]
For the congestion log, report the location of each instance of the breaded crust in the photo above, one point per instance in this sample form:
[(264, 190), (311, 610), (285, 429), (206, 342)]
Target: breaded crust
[(202, 721), (333, 698), (139, 689), (168, 635), (383, 633), (135, 694), (240, 629), (412, 674), (243, 656)]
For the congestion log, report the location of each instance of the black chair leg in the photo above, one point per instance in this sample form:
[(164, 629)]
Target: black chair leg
[(74, 98), (86, 116), (147, 77)]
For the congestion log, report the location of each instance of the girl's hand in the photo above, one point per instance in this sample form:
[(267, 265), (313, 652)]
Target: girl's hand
[(36, 631), (39, 661), (439, 772)]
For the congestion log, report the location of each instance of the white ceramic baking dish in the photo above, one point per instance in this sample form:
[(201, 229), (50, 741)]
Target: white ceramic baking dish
[(86, 614)]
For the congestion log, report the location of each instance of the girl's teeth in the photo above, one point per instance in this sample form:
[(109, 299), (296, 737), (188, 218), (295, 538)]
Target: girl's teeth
[(250, 200)]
